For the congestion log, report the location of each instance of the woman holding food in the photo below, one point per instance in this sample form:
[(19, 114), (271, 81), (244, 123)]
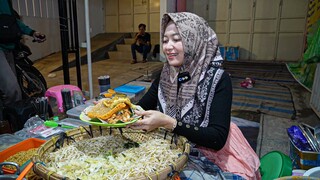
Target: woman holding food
[(193, 96)]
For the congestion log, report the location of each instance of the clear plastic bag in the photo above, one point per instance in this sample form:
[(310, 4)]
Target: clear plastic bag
[(33, 122), (30, 126), (35, 126)]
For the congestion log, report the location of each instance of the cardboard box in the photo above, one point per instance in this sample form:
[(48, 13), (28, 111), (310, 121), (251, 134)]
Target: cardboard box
[(303, 159), (232, 53)]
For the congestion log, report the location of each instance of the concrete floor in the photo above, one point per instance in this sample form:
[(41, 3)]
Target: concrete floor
[(120, 70), (272, 133)]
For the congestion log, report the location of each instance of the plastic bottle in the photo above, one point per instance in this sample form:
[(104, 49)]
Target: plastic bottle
[(104, 83), (77, 98), (67, 100)]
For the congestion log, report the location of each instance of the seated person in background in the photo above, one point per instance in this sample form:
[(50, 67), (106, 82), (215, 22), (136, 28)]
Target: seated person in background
[(141, 44), (193, 97)]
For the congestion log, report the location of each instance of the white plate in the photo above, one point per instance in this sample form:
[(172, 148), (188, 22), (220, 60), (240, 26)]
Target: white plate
[(313, 172)]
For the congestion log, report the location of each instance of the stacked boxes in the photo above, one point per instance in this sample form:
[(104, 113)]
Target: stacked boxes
[(230, 53)]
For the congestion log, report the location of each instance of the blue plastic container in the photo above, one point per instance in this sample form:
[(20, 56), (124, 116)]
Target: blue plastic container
[(130, 89), (222, 51), (232, 53), (134, 92)]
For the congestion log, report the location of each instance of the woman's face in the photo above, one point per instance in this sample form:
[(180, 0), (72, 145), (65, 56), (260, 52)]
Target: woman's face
[(172, 45)]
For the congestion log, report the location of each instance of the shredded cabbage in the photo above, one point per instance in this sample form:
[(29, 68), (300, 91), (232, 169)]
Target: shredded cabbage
[(106, 158)]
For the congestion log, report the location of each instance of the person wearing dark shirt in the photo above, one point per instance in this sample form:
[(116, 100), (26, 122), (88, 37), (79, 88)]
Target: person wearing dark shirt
[(193, 96), (9, 87), (142, 44)]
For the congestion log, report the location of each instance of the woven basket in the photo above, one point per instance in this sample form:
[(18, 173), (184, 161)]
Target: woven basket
[(96, 131)]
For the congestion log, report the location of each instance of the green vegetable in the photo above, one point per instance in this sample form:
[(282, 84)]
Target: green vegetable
[(109, 153)]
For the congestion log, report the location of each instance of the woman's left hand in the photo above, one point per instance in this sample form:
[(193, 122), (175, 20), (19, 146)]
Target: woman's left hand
[(152, 120)]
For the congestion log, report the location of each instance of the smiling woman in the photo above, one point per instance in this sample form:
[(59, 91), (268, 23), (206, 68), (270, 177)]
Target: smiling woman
[(193, 96), (172, 45)]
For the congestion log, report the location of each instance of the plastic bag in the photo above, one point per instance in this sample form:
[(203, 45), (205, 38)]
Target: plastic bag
[(298, 138), (33, 122)]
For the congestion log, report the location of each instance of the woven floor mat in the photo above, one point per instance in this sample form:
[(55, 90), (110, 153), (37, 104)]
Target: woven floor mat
[(271, 93)]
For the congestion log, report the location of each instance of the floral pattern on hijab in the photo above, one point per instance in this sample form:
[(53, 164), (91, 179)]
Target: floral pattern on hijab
[(202, 62)]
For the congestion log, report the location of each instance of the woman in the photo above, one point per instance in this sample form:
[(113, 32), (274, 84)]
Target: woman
[(193, 96)]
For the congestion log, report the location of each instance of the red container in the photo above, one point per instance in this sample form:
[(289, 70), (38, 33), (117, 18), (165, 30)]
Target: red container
[(21, 146)]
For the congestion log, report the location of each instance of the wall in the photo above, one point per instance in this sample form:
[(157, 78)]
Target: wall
[(166, 6), (126, 15), (248, 24), (43, 16), (96, 15), (265, 30)]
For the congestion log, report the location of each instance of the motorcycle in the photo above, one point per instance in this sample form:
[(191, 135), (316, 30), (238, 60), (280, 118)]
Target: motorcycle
[(30, 79), (32, 84)]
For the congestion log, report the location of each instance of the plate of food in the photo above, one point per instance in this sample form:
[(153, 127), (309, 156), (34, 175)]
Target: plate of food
[(112, 112)]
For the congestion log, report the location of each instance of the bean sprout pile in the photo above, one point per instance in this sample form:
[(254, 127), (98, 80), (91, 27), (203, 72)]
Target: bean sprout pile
[(106, 158)]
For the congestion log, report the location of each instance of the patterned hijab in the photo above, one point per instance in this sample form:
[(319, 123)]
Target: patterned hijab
[(201, 52)]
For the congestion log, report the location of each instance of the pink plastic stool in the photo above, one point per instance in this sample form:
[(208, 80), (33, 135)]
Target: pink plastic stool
[(55, 92)]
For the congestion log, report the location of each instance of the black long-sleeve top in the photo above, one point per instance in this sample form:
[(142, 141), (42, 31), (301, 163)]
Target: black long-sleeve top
[(215, 135)]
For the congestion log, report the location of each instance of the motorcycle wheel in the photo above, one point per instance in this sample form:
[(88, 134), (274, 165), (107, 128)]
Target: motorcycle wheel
[(39, 75), (32, 83)]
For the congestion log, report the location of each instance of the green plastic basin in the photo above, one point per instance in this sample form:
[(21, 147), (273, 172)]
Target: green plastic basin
[(275, 164)]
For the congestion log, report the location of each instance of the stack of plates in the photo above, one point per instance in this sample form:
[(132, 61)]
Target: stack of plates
[(305, 129)]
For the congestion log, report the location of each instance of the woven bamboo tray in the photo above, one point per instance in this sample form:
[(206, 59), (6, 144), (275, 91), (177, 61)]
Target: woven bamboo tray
[(96, 131)]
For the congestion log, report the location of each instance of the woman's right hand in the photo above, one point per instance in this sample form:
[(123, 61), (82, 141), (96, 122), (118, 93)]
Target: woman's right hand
[(152, 120)]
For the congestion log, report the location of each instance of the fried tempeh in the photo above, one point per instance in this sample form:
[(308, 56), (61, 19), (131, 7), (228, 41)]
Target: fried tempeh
[(114, 110), (109, 108)]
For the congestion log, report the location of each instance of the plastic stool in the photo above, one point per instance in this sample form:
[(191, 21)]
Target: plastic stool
[(55, 92)]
